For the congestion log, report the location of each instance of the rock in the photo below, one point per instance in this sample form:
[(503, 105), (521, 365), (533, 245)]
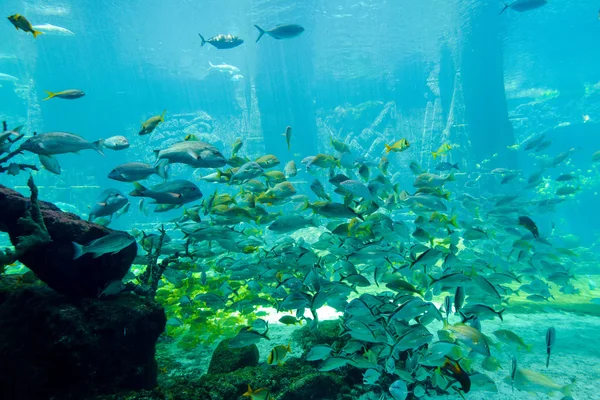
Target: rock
[(317, 386), (328, 332), (225, 359), (53, 262), (52, 346)]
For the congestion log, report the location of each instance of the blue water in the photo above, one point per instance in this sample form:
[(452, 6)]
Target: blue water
[(365, 72)]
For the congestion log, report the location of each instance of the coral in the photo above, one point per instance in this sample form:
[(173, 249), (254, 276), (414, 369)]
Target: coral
[(225, 359), (328, 332), (52, 346)]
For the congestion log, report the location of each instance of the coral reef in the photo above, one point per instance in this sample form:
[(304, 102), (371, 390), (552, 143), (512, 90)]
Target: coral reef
[(43, 236), (52, 346)]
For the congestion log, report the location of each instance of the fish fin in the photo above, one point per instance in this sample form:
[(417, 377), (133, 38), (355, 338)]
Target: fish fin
[(161, 169), (18, 129), (175, 195), (453, 220), (140, 189), (566, 390), (434, 154), (211, 66), (261, 33), (98, 146), (96, 255), (192, 154), (50, 94), (451, 178), (505, 7), (36, 33), (102, 204), (162, 116), (78, 251), (388, 148), (203, 41)]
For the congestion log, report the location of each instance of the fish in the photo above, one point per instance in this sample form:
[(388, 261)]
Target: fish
[(357, 188), (197, 154), (111, 243), (339, 146), (267, 161), (528, 224), (445, 166), (246, 172), (524, 5), (531, 381), (288, 136), (454, 369), (290, 169), (596, 157), (108, 202), (280, 31), (50, 163), (550, 339), (116, 143), (174, 192), (222, 41), (278, 354), (290, 320), (52, 143), (151, 123), (135, 171), (70, 94), (471, 337), (512, 339), (247, 336), (444, 148), (257, 394), (7, 77), (53, 30), (236, 146), (319, 352), (398, 390), (20, 22), (398, 147), (290, 223), (226, 68)]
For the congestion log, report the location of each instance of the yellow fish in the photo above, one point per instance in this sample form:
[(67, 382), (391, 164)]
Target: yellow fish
[(257, 394), (20, 22), (442, 150), (397, 147)]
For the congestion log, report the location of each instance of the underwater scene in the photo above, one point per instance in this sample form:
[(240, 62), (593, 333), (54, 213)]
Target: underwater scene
[(295, 200)]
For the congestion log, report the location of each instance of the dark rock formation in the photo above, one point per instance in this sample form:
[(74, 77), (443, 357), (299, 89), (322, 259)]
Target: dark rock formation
[(54, 347), (53, 262), (225, 359)]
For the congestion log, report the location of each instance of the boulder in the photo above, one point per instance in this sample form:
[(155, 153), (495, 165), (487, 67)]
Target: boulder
[(58, 347), (226, 359), (53, 262)]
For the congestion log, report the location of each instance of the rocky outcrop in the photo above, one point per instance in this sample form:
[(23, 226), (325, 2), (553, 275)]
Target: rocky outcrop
[(52, 261), (56, 347), (226, 359)]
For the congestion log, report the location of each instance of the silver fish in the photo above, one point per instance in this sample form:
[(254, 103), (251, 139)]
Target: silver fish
[(111, 243)]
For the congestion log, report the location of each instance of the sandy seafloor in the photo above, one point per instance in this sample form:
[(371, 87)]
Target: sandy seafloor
[(576, 354)]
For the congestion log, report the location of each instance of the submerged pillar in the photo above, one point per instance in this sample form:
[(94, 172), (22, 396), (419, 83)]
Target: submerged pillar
[(284, 84), (482, 76)]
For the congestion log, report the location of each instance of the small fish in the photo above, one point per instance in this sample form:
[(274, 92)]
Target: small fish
[(112, 289), (257, 394), (278, 354), (237, 145), (116, 143), (398, 147), (596, 157), (108, 202), (132, 172), (50, 163), (20, 22), (288, 136), (290, 320), (281, 31), (528, 224), (550, 339), (290, 169), (531, 381), (445, 166), (490, 363), (53, 30), (454, 369), (319, 352), (111, 243), (173, 192), (151, 124), (222, 41), (246, 337), (224, 68), (70, 94), (524, 5), (444, 148), (398, 390), (13, 169)]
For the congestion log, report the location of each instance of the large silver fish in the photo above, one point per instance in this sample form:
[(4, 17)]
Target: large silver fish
[(111, 243), (51, 143), (196, 153)]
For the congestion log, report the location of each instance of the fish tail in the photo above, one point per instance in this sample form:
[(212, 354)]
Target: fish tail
[(162, 116), (50, 95), (98, 146), (548, 360), (388, 148), (78, 251), (451, 178), (434, 154), (203, 41), (261, 32), (453, 221), (500, 314), (505, 7), (140, 190), (36, 33)]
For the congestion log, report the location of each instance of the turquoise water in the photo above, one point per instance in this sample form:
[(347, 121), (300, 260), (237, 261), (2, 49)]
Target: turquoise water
[(364, 74)]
